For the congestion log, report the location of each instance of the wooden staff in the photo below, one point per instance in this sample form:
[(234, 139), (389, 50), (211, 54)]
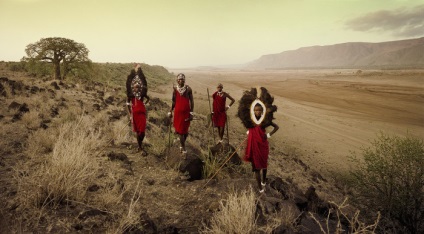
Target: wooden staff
[(210, 109), (169, 127), (130, 118), (228, 135), (169, 136)]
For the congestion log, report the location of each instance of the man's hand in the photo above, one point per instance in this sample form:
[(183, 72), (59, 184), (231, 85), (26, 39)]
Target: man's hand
[(170, 114)]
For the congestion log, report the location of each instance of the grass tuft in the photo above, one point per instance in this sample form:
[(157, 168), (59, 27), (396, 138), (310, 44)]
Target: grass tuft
[(67, 171), (236, 214)]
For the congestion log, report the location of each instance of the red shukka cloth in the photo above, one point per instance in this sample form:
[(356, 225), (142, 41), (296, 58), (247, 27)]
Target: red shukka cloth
[(181, 113), (138, 116), (257, 149), (219, 116)]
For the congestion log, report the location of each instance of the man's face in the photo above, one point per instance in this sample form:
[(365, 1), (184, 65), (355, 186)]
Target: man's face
[(180, 82), (137, 88), (258, 111), (219, 88)]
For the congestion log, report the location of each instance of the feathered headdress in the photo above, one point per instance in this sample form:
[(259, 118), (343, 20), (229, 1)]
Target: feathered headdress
[(137, 87), (247, 104)]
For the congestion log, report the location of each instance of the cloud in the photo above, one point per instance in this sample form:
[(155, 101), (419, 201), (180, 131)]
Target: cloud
[(401, 22)]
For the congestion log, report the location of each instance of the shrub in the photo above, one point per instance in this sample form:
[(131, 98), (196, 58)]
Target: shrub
[(391, 179), (38, 69), (16, 66)]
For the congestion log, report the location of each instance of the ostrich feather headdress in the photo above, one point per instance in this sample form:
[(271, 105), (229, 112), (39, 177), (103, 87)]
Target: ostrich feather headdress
[(247, 104)]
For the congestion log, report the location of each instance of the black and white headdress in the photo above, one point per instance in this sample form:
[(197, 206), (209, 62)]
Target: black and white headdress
[(136, 82), (247, 105)]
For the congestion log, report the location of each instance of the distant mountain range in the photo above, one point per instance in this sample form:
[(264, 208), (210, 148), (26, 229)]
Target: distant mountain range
[(397, 54)]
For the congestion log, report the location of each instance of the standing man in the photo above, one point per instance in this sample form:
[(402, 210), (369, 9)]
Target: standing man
[(182, 105), (136, 94), (256, 112), (219, 115)]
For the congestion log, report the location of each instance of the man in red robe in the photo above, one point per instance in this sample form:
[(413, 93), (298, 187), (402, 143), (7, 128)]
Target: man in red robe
[(219, 116), (182, 105), (136, 93), (257, 148)]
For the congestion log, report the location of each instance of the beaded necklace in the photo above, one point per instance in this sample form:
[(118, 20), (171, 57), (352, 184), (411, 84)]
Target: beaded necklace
[(181, 90)]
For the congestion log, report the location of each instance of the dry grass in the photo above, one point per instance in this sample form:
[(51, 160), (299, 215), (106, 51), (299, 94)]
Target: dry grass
[(67, 171), (236, 214), (43, 103), (9, 133), (7, 90), (70, 114), (41, 142), (130, 218), (158, 139), (202, 107), (31, 120), (287, 218), (355, 224), (111, 196), (121, 131), (211, 165)]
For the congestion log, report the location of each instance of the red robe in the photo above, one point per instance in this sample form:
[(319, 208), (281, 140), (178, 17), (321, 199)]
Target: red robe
[(181, 113), (257, 148), (138, 116), (219, 116)]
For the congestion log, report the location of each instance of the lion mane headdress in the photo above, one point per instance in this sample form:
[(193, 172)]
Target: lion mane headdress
[(247, 104)]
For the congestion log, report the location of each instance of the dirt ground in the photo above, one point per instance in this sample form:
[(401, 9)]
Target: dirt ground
[(324, 115)]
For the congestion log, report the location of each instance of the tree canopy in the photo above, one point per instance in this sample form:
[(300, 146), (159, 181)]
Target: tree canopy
[(65, 54)]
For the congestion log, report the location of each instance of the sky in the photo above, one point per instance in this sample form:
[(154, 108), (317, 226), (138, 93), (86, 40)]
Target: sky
[(191, 33)]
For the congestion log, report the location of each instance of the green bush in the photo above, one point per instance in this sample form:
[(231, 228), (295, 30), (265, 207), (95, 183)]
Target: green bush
[(38, 69), (390, 179), (16, 66)]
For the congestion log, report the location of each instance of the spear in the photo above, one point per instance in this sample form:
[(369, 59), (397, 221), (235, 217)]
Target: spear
[(210, 109)]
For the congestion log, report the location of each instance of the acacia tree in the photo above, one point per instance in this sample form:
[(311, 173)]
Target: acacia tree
[(61, 52)]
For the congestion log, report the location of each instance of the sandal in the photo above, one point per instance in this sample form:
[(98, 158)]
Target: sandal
[(263, 184), (184, 154), (262, 190)]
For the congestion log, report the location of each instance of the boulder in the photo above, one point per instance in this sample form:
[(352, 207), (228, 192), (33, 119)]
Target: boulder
[(189, 163), (55, 85), (223, 151)]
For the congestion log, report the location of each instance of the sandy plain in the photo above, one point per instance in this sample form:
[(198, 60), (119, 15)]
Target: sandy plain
[(325, 115)]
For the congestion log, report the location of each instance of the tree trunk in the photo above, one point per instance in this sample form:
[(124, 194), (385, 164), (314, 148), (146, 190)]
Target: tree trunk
[(57, 70)]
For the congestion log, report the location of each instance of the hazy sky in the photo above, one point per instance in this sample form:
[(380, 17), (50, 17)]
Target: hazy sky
[(185, 33)]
